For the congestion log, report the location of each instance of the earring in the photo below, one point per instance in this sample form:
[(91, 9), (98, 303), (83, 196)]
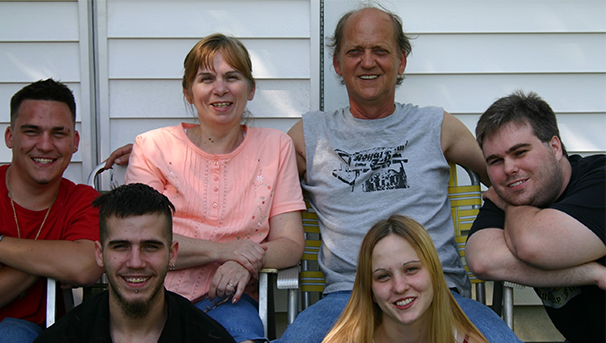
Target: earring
[(172, 268)]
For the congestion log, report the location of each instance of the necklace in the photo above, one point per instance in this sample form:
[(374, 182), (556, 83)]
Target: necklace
[(15, 211)]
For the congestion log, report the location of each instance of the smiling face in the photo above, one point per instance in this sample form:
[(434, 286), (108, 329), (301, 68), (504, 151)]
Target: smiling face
[(369, 59), (401, 285), (219, 94), (522, 169), (43, 140), (136, 256)]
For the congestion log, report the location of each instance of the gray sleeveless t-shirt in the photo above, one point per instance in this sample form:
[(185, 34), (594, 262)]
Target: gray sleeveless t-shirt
[(361, 171)]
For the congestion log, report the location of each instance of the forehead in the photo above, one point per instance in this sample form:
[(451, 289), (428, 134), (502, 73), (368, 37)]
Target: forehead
[(393, 249), (137, 228), (44, 112), (507, 136), (369, 27)]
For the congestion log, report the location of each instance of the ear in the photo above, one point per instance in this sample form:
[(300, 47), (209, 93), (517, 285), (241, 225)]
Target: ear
[(188, 96), (76, 140), (251, 94), (336, 64), (174, 249), (8, 137), (402, 65), (99, 254), (556, 146)]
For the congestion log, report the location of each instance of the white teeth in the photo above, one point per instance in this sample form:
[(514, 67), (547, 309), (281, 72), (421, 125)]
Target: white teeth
[(136, 279), (368, 77), (43, 160), (221, 104), (404, 302), (516, 183)]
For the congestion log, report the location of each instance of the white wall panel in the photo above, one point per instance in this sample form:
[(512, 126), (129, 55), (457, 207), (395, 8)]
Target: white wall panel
[(496, 16), (474, 93), (164, 99), (39, 21), (26, 62), (153, 58), (197, 18), (508, 53)]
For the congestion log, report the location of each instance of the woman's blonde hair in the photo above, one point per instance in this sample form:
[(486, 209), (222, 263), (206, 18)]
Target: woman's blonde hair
[(362, 315)]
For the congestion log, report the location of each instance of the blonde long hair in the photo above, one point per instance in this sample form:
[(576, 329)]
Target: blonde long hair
[(362, 315)]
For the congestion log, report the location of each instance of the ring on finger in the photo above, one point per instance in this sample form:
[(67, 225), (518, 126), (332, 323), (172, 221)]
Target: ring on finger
[(231, 285)]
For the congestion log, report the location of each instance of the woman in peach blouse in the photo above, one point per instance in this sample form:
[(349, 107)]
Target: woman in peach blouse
[(235, 188)]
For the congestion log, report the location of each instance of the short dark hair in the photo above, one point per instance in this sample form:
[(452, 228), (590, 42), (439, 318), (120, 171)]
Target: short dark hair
[(131, 200), (521, 109), (334, 43), (48, 89)]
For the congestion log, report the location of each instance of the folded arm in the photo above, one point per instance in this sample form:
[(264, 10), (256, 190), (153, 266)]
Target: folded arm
[(489, 258), (533, 235), (72, 263), (13, 282)]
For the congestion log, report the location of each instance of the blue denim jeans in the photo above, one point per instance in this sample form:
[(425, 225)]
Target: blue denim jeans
[(314, 323), (241, 319), (18, 331)]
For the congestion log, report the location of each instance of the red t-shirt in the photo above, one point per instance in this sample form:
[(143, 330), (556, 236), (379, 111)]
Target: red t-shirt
[(71, 218)]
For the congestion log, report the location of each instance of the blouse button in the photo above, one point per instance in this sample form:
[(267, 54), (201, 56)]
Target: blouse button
[(215, 205)]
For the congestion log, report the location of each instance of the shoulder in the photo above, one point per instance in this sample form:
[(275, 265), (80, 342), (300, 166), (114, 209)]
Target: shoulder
[(77, 192), (78, 325), (273, 137)]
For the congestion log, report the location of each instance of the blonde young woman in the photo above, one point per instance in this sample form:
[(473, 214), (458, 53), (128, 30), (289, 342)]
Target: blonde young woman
[(235, 189), (400, 293)]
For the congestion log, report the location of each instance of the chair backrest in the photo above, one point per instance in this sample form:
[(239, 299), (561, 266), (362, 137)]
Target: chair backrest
[(465, 202)]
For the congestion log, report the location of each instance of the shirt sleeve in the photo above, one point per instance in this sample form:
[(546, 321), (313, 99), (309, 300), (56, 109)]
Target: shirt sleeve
[(490, 217), (288, 196), (585, 199), (141, 164)]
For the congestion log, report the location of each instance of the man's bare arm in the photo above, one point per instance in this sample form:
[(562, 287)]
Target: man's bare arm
[(298, 138), (459, 146), (533, 235), (13, 282), (489, 258), (72, 263)]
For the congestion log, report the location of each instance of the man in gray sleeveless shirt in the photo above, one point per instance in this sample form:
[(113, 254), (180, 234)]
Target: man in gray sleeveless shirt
[(375, 158)]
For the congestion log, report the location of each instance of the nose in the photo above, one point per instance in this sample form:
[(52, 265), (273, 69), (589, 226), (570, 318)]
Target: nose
[(135, 260), (45, 142), (368, 60), (220, 87), (400, 285), (509, 166)]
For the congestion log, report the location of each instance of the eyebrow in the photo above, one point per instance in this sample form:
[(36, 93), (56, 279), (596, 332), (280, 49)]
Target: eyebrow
[(509, 151), (36, 127), (147, 241), (403, 265)]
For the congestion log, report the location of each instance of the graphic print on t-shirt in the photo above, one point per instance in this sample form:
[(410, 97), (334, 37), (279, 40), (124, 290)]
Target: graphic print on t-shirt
[(384, 167)]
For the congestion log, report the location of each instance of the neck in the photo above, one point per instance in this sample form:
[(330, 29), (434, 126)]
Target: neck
[(216, 141), (35, 197), (371, 111), (566, 173), (407, 333), (123, 328)]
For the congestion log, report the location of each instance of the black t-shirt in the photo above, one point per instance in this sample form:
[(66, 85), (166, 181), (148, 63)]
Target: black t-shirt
[(89, 322), (579, 313)]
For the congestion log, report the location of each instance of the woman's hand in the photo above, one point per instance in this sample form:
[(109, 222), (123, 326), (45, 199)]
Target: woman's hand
[(230, 279), (247, 253)]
